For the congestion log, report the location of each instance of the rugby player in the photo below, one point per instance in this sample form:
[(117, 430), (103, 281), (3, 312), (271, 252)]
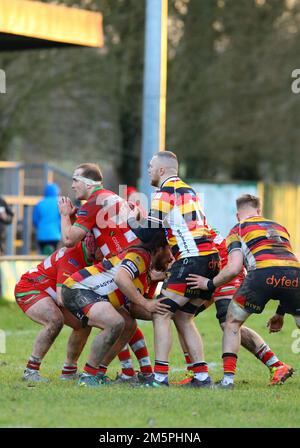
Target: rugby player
[(250, 340), (38, 294), (98, 296), (177, 205), (104, 214), (263, 246)]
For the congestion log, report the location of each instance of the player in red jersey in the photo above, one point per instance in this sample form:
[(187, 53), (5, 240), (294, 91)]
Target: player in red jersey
[(99, 296), (38, 294), (273, 272), (222, 296), (104, 213)]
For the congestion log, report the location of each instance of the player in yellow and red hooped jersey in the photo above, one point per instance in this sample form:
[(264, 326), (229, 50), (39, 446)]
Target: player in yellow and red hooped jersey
[(177, 206), (38, 294), (273, 272), (99, 295)]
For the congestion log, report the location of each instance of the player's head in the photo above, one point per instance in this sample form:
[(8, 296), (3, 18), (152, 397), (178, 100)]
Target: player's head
[(160, 250), (86, 177), (247, 205), (162, 165)]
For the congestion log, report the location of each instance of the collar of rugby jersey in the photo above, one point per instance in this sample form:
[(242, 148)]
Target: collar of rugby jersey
[(100, 187), (168, 179)]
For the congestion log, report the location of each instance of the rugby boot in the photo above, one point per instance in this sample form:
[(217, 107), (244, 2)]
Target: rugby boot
[(278, 375), (69, 376), (33, 376), (149, 381), (87, 380), (122, 379), (142, 378), (207, 383), (103, 379), (152, 382), (221, 385)]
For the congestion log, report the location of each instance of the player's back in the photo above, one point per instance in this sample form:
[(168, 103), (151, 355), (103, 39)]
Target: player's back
[(104, 214), (100, 277), (264, 243)]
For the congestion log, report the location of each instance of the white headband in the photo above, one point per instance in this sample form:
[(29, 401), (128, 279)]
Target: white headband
[(87, 181)]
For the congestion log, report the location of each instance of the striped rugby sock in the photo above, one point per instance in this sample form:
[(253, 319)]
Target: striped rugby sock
[(34, 363), (126, 362), (69, 369), (161, 370), (267, 357), (139, 347)]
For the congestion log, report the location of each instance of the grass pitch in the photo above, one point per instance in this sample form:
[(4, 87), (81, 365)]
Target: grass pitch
[(251, 404)]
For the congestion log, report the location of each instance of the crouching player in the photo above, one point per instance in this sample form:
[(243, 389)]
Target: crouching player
[(98, 296), (38, 294), (250, 340)]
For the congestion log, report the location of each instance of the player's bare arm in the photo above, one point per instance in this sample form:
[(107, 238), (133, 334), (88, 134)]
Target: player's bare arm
[(124, 283), (231, 270)]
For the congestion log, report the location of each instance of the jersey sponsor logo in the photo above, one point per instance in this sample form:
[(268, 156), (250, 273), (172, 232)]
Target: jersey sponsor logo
[(117, 244), (253, 306), (214, 265), (73, 262), (82, 213), (104, 284)]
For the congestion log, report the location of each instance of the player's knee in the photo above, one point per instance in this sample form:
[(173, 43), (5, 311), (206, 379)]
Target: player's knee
[(171, 303), (117, 326), (55, 325)]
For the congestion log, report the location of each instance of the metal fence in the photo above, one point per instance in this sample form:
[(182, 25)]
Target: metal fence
[(22, 186)]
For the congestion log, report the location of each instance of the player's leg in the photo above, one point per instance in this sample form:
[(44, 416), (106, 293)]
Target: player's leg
[(75, 345), (251, 341), (198, 307), (102, 315), (128, 372), (193, 344), (163, 335), (139, 347), (44, 312), (179, 297), (130, 326)]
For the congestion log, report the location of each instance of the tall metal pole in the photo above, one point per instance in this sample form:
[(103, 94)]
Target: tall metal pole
[(155, 86)]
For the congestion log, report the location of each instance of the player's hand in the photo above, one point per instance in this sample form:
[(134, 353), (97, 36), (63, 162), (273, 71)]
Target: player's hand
[(157, 276), (155, 306), (65, 206), (275, 324), (197, 282)]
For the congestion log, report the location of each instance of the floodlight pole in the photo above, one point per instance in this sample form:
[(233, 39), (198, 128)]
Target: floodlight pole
[(155, 86)]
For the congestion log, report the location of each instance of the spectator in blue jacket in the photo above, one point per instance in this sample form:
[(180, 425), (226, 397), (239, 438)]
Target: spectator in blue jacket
[(46, 220)]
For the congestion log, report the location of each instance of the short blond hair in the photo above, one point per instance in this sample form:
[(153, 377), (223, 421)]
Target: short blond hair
[(168, 159)]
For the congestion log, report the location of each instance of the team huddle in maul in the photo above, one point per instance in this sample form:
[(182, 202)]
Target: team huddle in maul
[(109, 273)]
